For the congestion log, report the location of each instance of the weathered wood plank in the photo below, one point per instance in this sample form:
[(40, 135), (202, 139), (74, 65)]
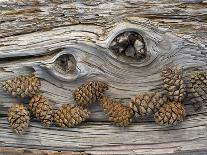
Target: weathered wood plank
[(24, 17), (102, 137), (33, 34), (22, 151)]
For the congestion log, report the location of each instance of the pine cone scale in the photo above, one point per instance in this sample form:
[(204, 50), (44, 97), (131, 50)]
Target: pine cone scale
[(89, 93), (42, 109), (18, 117), (119, 114), (173, 83), (197, 89), (147, 102), (170, 114), (70, 116), (22, 86)]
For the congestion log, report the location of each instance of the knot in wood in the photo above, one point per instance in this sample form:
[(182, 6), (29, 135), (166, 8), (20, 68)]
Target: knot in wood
[(65, 64), (130, 45)]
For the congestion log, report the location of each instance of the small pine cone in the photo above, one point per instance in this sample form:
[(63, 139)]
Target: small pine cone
[(116, 112), (22, 86), (42, 109), (173, 83), (69, 116), (147, 102), (197, 89), (89, 93), (170, 114), (18, 118)]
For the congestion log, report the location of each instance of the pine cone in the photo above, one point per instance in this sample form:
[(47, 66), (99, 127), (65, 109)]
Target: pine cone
[(170, 114), (42, 109), (22, 86), (18, 118), (89, 93), (197, 89), (70, 116), (119, 114), (147, 102), (173, 83)]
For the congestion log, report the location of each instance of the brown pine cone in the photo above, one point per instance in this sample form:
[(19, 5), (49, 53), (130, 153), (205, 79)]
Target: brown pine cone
[(170, 114), (69, 116), (147, 102), (197, 89), (173, 83), (42, 109), (18, 118), (116, 112), (89, 93), (22, 86)]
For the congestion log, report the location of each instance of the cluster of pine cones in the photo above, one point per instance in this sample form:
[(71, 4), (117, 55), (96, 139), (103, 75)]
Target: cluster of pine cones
[(166, 105), (28, 86)]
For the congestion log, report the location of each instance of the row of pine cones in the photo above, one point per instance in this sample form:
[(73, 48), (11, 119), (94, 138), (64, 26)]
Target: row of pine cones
[(166, 105)]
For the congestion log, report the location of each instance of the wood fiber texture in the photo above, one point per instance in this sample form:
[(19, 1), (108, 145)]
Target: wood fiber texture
[(33, 34)]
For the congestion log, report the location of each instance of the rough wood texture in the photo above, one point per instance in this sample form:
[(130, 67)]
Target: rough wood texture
[(33, 34), (22, 151)]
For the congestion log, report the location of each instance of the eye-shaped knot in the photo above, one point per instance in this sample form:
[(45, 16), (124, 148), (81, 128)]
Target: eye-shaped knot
[(129, 44), (65, 64)]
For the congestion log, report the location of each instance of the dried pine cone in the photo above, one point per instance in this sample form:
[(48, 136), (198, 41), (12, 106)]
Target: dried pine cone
[(42, 109), (197, 89), (170, 114), (147, 102), (19, 118), (119, 114), (89, 93), (173, 83), (70, 116), (23, 85)]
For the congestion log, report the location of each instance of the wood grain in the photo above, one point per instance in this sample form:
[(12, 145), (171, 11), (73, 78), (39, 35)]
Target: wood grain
[(100, 137), (33, 34), (22, 151)]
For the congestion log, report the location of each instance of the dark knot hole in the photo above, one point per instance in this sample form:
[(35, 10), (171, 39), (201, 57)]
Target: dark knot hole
[(65, 63), (129, 44)]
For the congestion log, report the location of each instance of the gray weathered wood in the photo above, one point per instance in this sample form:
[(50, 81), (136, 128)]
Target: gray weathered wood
[(23, 151), (33, 34)]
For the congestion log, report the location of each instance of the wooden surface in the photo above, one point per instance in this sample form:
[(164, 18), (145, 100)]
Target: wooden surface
[(33, 34), (22, 151)]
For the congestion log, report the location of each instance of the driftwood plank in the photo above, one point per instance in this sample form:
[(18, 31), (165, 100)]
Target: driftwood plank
[(22, 151), (34, 34), (102, 137)]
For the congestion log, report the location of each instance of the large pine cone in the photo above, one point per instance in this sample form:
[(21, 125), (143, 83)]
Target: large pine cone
[(197, 89), (147, 102), (116, 112), (173, 83), (89, 93), (70, 116), (22, 86), (42, 109), (18, 118), (170, 114)]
